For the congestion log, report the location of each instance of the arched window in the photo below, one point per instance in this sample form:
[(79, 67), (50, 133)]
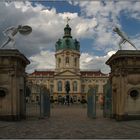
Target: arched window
[(75, 86), (67, 59), (59, 61), (67, 86), (59, 85)]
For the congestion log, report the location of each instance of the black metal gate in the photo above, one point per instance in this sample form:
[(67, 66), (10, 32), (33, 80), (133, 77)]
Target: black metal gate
[(37, 103), (44, 103), (107, 112), (91, 106)]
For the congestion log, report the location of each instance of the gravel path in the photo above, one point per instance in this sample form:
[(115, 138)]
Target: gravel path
[(70, 122)]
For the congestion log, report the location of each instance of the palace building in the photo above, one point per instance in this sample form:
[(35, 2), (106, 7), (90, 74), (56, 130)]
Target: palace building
[(67, 69)]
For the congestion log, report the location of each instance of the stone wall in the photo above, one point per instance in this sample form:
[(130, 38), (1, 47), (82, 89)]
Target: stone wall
[(12, 84), (125, 81)]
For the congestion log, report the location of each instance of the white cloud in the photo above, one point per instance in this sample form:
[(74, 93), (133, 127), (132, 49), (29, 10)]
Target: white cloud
[(136, 41), (43, 60), (46, 60), (107, 15), (88, 61), (111, 53), (85, 28), (48, 26)]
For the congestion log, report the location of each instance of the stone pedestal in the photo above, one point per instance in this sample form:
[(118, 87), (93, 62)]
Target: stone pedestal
[(12, 84), (125, 82)]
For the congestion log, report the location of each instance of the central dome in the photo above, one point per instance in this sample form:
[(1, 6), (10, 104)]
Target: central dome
[(67, 42)]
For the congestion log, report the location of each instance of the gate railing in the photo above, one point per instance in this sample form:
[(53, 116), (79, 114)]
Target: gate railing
[(91, 102), (107, 112), (39, 108), (44, 103)]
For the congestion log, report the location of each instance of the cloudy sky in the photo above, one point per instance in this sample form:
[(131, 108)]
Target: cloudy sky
[(91, 22)]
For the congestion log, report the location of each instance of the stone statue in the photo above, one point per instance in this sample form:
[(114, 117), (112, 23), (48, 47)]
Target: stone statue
[(12, 31), (68, 19), (124, 38), (67, 88)]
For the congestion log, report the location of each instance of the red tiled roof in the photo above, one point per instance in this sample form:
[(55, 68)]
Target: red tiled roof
[(83, 73), (93, 73), (43, 73)]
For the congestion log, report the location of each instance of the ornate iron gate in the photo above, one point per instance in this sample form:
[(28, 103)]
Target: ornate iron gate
[(91, 103), (45, 103), (37, 103), (32, 102), (107, 100)]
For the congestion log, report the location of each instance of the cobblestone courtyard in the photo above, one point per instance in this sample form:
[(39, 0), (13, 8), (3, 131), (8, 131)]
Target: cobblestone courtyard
[(70, 122)]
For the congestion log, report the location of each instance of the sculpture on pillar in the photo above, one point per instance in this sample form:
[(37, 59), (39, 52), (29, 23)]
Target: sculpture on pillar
[(124, 38), (12, 31)]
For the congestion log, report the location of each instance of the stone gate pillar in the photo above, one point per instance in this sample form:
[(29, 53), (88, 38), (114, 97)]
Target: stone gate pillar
[(125, 82), (12, 84)]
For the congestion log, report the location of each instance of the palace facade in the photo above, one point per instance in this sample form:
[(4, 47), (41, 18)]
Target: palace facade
[(67, 59)]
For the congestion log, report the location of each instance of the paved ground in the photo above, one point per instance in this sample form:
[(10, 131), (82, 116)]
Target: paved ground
[(70, 122)]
